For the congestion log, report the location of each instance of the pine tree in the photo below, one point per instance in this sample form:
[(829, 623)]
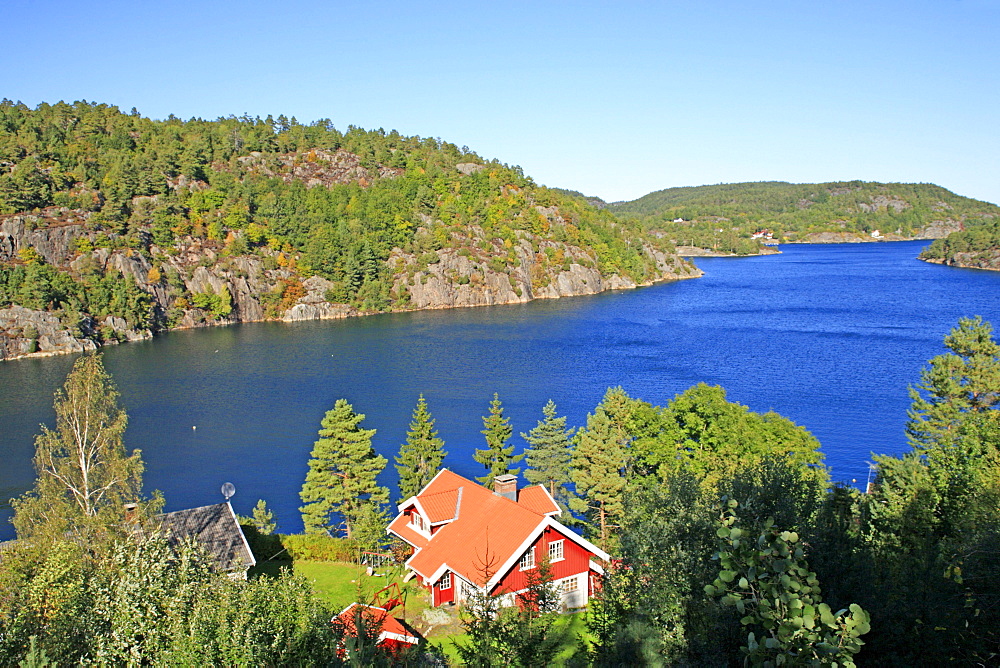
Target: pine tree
[(342, 472), (550, 452), (962, 388), (498, 456), (421, 456), (600, 460)]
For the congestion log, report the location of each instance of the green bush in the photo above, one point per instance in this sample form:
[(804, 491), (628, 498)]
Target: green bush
[(319, 547)]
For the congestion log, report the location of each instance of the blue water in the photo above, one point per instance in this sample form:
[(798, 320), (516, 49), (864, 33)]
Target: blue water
[(829, 336)]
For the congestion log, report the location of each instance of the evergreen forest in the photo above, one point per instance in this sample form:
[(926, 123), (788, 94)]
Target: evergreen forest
[(724, 217), (109, 214)]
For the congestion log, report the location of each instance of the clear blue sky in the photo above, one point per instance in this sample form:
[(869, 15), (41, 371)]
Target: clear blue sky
[(614, 99)]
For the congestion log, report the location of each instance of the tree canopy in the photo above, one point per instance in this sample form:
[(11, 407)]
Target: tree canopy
[(421, 455), (341, 484), (84, 475)]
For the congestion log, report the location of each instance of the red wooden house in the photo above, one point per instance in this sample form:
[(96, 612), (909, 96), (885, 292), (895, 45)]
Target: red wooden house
[(468, 539)]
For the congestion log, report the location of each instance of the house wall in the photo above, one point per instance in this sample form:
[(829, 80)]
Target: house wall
[(442, 596), (575, 560)]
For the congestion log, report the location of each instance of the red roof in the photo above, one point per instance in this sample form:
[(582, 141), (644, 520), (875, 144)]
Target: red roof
[(484, 533), (388, 627)]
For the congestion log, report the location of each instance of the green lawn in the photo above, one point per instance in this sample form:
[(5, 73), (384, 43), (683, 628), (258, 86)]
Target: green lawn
[(341, 584)]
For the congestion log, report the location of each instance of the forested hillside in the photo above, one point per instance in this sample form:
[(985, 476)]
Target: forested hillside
[(977, 247), (724, 217), (115, 226)]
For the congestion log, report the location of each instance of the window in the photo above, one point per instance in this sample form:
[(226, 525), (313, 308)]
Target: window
[(569, 585), (528, 560), (556, 550), (468, 591), (417, 520), (445, 582)]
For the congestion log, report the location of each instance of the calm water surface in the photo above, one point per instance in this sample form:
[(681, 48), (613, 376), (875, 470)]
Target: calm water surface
[(829, 336)]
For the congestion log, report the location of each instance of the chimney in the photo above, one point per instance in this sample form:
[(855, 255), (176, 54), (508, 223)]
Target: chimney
[(506, 485), (130, 512)]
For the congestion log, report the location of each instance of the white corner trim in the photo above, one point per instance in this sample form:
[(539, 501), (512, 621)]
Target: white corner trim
[(551, 513), (253, 559), (578, 539), (515, 556)]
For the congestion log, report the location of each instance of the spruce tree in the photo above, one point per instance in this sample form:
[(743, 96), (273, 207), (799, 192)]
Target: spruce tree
[(498, 456), (342, 472), (421, 456), (550, 452)]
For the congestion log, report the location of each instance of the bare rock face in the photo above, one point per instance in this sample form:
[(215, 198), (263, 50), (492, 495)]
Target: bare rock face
[(989, 260), (477, 271), (940, 229), (469, 168), (26, 333), (881, 202), (543, 269), (317, 167), (55, 244), (314, 306)]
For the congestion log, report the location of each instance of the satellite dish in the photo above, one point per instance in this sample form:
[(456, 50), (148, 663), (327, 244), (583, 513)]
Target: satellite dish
[(228, 489)]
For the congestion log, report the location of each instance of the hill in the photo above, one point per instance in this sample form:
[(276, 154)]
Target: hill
[(114, 226), (725, 217)]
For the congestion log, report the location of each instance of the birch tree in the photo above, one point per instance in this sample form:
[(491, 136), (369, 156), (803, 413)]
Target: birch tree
[(84, 476)]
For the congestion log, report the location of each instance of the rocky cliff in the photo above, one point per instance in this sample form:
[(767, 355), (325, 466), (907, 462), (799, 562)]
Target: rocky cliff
[(195, 282), (989, 260)]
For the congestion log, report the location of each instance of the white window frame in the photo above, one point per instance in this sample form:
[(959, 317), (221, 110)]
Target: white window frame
[(557, 550), (569, 585), (417, 521), (466, 590), (527, 560), (445, 582)]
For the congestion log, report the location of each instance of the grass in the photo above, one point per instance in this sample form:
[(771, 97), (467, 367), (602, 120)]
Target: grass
[(341, 584)]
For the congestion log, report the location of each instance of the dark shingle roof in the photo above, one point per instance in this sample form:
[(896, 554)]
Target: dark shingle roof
[(216, 529)]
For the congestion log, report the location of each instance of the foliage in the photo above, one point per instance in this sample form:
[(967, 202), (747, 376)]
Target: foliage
[(342, 472), (84, 476), (319, 547), (601, 462), (724, 216), (968, 247), (767, 579), (701, 432), (518, 632), (421, 456), (549, 454), (962, 388), (308, 198), (145, 602), (263, 519), (498, 456), (649, 610)]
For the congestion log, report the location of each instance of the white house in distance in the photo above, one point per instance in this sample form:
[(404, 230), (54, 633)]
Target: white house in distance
[(469, 539)]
